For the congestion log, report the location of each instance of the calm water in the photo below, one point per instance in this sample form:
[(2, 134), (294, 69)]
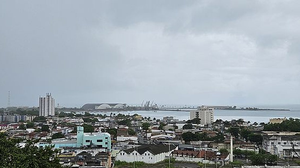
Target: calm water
[(252, 116)]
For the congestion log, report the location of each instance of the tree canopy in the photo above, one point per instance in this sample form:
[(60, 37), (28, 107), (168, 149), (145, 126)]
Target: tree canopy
[(30, 156), (291, 124)]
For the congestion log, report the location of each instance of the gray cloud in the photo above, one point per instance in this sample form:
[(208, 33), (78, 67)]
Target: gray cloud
[(171, 52)]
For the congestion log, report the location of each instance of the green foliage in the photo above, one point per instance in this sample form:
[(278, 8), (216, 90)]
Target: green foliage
[(234, 131), (291, 124), (40, 119), (187, 126), (145, 126), (28, 157), (22, 127), (112, 131), (63, 114), (172, 160), (224, 151), (262, 159), (45, 128), (219, 138), (236, 163), (194, 121), (92, 120), (88, 128), (242, 153), (30, 125), (161, 126), (126, 122), (58, 135), (200, 164), (32, 112), (256, 138), (297, 161), (126, 164), (131, 131), (189, 136), (245, 134)]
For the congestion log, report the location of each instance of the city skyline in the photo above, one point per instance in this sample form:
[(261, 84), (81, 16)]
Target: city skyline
[(170, 52)]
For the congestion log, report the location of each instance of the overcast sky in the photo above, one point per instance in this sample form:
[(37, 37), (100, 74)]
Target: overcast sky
[(210, 52)]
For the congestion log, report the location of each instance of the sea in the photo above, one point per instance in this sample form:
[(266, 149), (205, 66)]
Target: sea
[(247, 115)]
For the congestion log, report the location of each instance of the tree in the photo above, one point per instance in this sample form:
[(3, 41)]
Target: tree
[(29, 156), (58, 135), (161, 126), (112, 131), (188, 136), (219, 138), (22, 127), (262, 159), (145, 126), (187, 126), (131, 132), (224, 151), (87, 119), (126, 122), (291, 124), (245, 134), (30, 125), (45, 128), (40, 119), (88, 128), (234, 131), (194, 121), (256, 138)]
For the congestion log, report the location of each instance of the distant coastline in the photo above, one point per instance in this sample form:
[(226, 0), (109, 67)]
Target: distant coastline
[(258, 109)]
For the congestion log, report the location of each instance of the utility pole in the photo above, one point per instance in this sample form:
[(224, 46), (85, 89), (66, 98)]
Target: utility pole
[(134, 159), (231, 149), (169, 156)]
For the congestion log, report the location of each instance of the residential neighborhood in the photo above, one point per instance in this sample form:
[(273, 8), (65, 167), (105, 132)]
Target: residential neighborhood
[(112, 139)]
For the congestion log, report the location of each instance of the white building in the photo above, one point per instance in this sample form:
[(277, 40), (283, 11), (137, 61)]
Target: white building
[(282, 144), (205, 114), (150, 154), (46, 106)]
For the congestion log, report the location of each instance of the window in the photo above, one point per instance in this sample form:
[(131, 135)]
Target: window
[(106, 137), (87, 140), (99, 140), (284, 143), (105, 143), (279, 142)]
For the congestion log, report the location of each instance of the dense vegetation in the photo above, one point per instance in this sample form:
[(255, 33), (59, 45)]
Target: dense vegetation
[(291, 124), (29, 156), (189, 136)]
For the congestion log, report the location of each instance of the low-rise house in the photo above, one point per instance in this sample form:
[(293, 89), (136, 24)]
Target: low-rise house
[(236, 144), (82, 157), (146, 153)]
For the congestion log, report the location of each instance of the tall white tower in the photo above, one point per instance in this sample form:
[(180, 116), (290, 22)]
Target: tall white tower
[(47, 106)]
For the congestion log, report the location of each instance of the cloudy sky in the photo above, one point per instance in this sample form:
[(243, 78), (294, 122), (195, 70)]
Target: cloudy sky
[(229, 52)]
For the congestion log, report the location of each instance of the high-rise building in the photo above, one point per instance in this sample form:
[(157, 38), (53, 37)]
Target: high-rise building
[(47, 106), (205, 114)]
